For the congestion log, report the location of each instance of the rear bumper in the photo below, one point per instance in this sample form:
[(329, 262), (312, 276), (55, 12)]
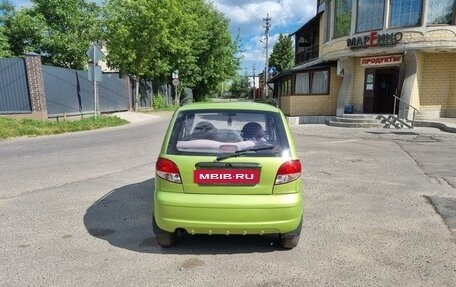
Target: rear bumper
[(228, 214)]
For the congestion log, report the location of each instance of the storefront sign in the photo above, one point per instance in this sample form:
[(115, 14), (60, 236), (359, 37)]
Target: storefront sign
[(374, 40), (381, 60)]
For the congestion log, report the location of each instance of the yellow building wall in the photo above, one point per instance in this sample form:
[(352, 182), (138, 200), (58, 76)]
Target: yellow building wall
[(434, 91), (437, 77), (357, 98), (451, 104), (415, 93), (310, 105)]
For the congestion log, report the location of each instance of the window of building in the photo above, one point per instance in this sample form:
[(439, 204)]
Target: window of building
[(440, 11), (319, 82), (405, 13), (321, 6), (370, 15), (284, 88), (287, 87), (328, 21), (302, 84), (312, 83), (342, 18)]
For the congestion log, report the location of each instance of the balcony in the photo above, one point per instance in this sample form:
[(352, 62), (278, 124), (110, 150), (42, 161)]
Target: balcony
[(306, 54)]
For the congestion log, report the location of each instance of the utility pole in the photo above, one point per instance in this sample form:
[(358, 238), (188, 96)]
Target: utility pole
[(266, 26), (253, 76), (254, 84)]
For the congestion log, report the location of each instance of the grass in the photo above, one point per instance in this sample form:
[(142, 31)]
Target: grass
[(162, 109), (11, 128)]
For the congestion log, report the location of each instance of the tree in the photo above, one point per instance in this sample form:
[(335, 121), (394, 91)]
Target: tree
[(153, 38), (6, 9), (282, 56), (61, 31), (4, 46), (217, 59), (138, 36), (240, 87), (24, 32), (72, 25)]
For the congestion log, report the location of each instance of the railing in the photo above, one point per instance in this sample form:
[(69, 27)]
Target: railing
[(307, 54), (403, 109)]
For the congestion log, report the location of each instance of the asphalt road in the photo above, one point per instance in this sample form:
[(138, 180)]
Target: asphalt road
[(75, 211)]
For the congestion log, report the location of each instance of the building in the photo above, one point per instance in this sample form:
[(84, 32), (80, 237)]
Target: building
[(357, 56)]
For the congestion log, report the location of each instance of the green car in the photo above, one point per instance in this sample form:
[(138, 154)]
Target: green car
[(228, 168)]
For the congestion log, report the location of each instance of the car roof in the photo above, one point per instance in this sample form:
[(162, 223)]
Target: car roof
[(229, 106)]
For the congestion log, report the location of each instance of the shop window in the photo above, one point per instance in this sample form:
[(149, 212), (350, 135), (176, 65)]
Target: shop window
[(440, 11), (370, 15), (405, 13), (312, 83), (342, 18)]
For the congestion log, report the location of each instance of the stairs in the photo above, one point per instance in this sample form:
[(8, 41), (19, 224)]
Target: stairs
[(356, 121), (369, 121)]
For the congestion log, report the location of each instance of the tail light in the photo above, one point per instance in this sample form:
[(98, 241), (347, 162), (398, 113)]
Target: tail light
[(167, 170), (288, 171)]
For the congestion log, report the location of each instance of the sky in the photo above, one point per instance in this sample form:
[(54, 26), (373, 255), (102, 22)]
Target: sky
[(246, 18)]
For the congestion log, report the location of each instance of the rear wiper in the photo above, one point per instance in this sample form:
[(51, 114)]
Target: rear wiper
[(242, 152)]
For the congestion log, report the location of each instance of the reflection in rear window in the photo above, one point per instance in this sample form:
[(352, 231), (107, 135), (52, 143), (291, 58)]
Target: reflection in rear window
[(220, 132)]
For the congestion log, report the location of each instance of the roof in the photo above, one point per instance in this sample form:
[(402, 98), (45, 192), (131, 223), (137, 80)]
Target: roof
[(238, 105), (309, 23), (314, 65)]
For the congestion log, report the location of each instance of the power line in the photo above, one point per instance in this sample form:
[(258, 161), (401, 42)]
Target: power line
[(255, 11)]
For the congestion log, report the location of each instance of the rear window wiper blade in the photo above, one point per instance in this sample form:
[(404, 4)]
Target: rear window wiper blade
[(242, 152)]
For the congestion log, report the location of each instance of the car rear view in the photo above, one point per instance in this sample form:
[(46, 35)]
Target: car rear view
[(228, 168)]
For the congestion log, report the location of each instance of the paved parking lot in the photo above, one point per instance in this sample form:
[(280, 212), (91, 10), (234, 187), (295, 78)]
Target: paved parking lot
[(75, 211), (431, 149)]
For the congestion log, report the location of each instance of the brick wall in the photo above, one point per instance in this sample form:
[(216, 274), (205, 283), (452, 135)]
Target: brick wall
[(36, 86), (357, 98), (436, 85), (430, 37)]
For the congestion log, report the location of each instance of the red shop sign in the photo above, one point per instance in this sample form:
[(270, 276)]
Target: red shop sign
[(381, 61)]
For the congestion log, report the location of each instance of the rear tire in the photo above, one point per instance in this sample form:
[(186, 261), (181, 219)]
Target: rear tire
[(164, 238), (288, 242)]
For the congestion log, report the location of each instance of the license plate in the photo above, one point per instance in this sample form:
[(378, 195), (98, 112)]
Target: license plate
[(226, 176)]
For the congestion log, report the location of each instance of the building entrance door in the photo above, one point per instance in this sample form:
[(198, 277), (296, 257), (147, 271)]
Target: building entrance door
[(379, 87)]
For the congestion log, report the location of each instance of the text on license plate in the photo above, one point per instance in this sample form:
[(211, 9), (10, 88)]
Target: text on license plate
[(227, 177)]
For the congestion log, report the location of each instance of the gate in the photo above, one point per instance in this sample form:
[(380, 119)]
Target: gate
[(14, 95)]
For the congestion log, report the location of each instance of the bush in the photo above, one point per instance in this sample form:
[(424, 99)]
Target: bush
[(159, 102)]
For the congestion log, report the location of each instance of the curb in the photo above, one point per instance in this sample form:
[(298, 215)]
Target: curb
[(439, 125)]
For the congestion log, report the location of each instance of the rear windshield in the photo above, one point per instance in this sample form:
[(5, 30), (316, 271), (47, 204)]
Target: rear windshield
[(223, 132)]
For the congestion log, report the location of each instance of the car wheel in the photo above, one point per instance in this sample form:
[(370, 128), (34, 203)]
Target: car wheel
[(164, 238), (288, 242)]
